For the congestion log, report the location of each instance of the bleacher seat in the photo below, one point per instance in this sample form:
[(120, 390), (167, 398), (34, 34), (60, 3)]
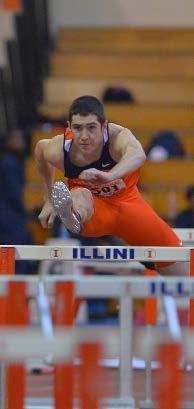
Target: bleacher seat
[(126, 40), (111, 66), (166, 202), (171, 173), (151, 117), (62, 91), (145, 117), (164, 184)]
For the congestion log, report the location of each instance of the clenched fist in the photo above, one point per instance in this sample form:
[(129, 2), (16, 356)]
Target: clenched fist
[(47, 215), (95, 176)]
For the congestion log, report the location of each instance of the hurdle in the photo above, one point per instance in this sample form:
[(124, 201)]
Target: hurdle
[(135, 287), (187, 238), (123, 288), (186, 235), (31, 342)]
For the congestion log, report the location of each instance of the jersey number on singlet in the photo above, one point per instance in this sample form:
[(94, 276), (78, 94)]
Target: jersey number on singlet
[(109, 189)]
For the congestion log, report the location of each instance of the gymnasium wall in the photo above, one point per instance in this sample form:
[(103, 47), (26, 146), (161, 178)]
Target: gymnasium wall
[(120, 12)]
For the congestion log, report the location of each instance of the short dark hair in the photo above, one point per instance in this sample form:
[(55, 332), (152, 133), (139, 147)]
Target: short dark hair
[(87, 105), (190, 192)]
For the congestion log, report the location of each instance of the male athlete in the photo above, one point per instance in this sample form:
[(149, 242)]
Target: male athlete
[(102, 163)]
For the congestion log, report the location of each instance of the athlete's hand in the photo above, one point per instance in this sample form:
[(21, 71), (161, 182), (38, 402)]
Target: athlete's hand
[(47, 215), (95, 176)]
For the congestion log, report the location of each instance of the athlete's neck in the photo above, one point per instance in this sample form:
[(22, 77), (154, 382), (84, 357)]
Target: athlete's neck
[(83, 158)]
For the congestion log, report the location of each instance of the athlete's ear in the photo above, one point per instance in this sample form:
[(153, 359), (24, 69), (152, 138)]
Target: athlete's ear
[(69, 125)]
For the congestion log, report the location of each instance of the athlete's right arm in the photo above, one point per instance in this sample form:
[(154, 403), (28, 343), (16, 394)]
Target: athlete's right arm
[(47, 158)]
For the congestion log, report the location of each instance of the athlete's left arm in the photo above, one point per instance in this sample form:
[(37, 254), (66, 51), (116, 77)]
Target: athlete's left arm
[(126, 150)]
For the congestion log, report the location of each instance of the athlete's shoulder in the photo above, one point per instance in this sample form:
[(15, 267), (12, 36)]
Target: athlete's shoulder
[(57, 138), (118, 133), (121, 139), (49, 142), (116, 129), (53, 148)]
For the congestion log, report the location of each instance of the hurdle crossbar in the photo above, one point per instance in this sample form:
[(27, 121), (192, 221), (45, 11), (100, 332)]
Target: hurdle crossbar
[(24, 343), (102, 253), (186, 235), (106, 286), (135, 287)]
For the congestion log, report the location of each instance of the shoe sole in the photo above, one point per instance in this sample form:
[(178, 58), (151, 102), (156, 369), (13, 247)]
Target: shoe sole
[(63, 205)]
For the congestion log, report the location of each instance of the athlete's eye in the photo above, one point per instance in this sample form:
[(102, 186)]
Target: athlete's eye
[(77, 128)]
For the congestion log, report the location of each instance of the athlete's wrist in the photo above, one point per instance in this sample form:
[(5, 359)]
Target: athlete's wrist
[(47, 198), (112, 175)]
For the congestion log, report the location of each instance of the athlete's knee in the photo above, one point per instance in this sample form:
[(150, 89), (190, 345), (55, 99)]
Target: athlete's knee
[(82, 195), (83, 203)]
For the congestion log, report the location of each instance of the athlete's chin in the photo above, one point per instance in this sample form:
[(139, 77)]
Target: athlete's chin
[(86, 147)]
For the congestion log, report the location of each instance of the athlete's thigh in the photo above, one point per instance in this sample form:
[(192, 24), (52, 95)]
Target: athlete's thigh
[(139, 225), (81, 196), (83, 202), (103, 220)]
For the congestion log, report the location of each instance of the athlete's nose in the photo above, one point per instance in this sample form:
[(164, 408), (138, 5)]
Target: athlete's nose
[(84, 135)]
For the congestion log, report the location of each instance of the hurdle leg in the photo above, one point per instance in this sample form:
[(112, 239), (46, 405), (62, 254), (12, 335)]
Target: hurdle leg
[(64, 315), (13, 311), (2, 386), (91, 382), (170, 381), (151, 317), (15, 386), (16, 304), (7, 267), (16, 314), (64, 303), (126, 356), (7, 260), (63, 386)]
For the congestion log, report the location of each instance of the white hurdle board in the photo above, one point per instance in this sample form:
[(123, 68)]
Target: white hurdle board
[(107, 286), (24, 343), (85, 254), (186, 235)]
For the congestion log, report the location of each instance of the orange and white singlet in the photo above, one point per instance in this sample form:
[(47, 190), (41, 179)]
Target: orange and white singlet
[(105, 163)]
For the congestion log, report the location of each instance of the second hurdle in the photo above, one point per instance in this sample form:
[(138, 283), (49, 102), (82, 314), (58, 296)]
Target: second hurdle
[(125, 288)]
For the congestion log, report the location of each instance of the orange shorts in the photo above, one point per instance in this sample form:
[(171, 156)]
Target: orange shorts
[(130, 218)]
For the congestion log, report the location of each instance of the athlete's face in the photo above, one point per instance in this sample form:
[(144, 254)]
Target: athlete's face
[(87, 132)]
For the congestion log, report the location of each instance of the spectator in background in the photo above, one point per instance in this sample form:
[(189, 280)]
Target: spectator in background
[(165, 145), (13, 216), (185, 219)]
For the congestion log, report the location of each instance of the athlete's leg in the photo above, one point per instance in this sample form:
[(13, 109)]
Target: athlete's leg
[(139, 225), (81, 212), (73, 208), (180, 268), (83, 203)]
